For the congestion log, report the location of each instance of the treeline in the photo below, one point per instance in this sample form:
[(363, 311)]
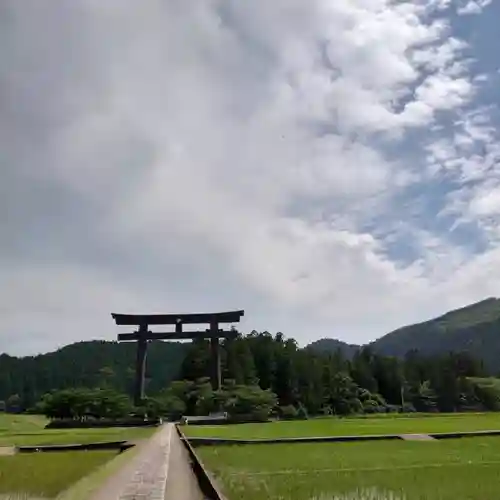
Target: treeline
[(24, 380), (297, 381), (82, 407), (331, 383)]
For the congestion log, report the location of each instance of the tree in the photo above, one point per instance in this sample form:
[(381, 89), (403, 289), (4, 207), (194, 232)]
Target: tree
[(262, 346), (77, 404), (342, 396), (238, 362), (362, 370), (316, 381), (424, 397), (107, 376), (13, 404), (249, 403), (389, 374), (197, 362)]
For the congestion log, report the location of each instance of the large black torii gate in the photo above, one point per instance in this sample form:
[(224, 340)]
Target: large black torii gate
[(143, 335)]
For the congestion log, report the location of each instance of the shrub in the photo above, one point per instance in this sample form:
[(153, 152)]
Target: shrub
[(392, 408), (326, 410), (408, 408), (372, 406), (288, 412)]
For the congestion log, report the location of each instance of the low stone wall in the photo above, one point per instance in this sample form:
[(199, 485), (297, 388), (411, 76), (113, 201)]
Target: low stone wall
[(102, 423), (109, 445)]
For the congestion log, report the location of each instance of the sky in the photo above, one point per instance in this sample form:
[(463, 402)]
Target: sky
[(332, 167)]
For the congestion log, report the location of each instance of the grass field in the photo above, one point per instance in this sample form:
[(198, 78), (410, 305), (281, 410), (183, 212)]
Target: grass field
[(46, 475), (445, 470), (382, 470), (27, 430), (350, 426)]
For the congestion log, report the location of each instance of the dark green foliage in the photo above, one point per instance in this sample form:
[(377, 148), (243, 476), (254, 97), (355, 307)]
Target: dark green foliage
[(13, 404), (87, 364), (249, 403), (487, 390), (77, 404), (288, 412), (241, 402), (332, 345)]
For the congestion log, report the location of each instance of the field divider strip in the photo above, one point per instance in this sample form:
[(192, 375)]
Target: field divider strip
[(206, 481)]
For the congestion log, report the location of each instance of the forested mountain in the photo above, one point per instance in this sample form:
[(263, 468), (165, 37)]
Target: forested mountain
[(308, 376), (332, 345), (297, 378), (87, 364), (474, 328)]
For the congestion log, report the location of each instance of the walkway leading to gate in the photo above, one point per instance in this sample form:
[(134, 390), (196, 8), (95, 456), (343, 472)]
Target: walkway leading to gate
[(160, 470)]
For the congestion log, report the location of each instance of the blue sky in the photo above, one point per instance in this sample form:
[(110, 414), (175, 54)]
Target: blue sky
[(330, 166)]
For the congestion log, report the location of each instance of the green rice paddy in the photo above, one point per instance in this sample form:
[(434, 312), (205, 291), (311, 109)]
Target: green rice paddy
[(451, 469), (28, 430), (47, 474), (351, 426)]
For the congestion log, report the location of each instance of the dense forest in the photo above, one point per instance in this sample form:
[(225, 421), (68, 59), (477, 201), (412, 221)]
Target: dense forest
[(300, 378), (87, 364), (441, 365)]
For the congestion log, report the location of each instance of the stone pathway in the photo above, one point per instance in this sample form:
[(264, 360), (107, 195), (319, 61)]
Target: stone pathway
[(417, 437), (7, 451), (159, 471), (181, 482)]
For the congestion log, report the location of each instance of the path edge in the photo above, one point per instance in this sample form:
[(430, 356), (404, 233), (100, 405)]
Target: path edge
[(206, 481)]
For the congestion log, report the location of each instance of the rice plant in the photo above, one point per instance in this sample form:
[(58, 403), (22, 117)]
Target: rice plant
[(362, 494)]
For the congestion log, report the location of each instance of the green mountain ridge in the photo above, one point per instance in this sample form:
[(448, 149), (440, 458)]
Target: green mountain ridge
[(474, 328)]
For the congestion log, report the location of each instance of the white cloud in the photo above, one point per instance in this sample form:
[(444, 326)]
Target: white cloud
[(253, 142), (473, 7)]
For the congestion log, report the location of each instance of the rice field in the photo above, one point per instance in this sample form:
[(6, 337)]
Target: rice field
[(351, 426), (31, 476), (445, 470), (28, 430), (45, 475), (451, 469)]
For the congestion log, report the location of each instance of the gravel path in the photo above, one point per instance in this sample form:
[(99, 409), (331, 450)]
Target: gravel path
[(159, 471)]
